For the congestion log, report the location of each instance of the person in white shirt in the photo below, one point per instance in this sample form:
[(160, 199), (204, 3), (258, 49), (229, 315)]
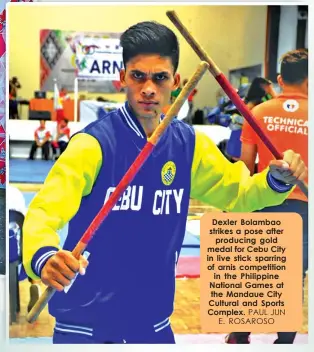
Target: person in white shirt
[(42, 137)]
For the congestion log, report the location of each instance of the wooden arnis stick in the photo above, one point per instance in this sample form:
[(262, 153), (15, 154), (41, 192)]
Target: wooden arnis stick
[(228, 89), (126, 180)]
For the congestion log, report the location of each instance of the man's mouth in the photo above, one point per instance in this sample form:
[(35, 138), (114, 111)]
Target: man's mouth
[(148, 103)]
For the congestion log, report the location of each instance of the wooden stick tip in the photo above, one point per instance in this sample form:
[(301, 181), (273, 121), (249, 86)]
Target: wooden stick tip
[(171, 13)]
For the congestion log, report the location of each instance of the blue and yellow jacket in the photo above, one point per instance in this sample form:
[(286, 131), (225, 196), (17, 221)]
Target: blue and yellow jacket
[(133, 255)]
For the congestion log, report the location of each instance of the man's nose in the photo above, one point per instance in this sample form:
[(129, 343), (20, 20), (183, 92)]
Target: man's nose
[(149, 89)]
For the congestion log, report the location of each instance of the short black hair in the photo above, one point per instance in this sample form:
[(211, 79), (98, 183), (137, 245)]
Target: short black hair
[(294, 66), (256, 91), (150, 37)]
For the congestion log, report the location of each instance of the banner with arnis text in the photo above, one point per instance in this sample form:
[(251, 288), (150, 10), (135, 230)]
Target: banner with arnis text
[(99, 58), (95, 58)]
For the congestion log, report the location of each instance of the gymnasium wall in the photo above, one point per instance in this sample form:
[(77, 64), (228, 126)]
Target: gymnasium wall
[(233, 35), (288, 30)]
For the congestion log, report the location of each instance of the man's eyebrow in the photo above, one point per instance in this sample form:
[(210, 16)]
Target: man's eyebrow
[(138, 71), (153, 74), (161, 73)]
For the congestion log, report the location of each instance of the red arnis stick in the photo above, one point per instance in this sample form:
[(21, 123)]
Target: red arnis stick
[(126, 180), (228, 89)]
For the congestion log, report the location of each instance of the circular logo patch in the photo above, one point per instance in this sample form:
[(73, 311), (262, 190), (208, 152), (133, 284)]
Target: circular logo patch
[(291, 105), (168, 173)]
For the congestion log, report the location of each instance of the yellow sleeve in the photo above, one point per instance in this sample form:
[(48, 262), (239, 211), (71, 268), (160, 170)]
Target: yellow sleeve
[(71, 178), (228, 186)]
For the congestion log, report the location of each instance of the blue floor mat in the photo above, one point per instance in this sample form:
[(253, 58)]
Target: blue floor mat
[(29, 171)]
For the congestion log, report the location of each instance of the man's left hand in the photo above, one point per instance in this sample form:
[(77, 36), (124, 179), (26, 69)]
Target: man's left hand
[(291, 170)]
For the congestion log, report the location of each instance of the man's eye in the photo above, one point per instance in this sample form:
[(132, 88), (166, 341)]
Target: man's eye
[(138, 75), (160, 77)]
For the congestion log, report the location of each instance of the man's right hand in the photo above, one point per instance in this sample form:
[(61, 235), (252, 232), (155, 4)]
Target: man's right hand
[(61, 268)]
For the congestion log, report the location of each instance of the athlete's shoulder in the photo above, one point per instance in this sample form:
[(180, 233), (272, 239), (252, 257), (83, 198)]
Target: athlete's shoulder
[(104, 120), (182, 128)]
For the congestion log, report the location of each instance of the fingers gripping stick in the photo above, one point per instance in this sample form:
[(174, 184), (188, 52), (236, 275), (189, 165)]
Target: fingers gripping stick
[(228, 89), (126, 180)]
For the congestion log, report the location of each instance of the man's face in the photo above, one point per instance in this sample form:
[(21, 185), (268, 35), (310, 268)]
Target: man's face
[(42, 123), (149, 80)]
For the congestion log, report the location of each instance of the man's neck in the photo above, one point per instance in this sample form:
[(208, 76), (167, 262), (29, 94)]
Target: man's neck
[(293, 90), (149, 124)]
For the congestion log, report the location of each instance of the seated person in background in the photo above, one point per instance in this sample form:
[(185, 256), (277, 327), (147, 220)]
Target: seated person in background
[(42, 138), (62, 138)]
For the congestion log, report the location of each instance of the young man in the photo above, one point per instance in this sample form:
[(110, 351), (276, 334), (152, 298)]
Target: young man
[(127, 292), (285, 120), (42, 138)]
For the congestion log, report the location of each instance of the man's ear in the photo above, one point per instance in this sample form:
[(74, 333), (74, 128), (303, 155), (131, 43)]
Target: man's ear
[(279, 80), (122, 78), (177, 80)]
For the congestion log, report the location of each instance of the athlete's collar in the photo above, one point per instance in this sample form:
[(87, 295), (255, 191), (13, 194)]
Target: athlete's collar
[(132, 122)]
